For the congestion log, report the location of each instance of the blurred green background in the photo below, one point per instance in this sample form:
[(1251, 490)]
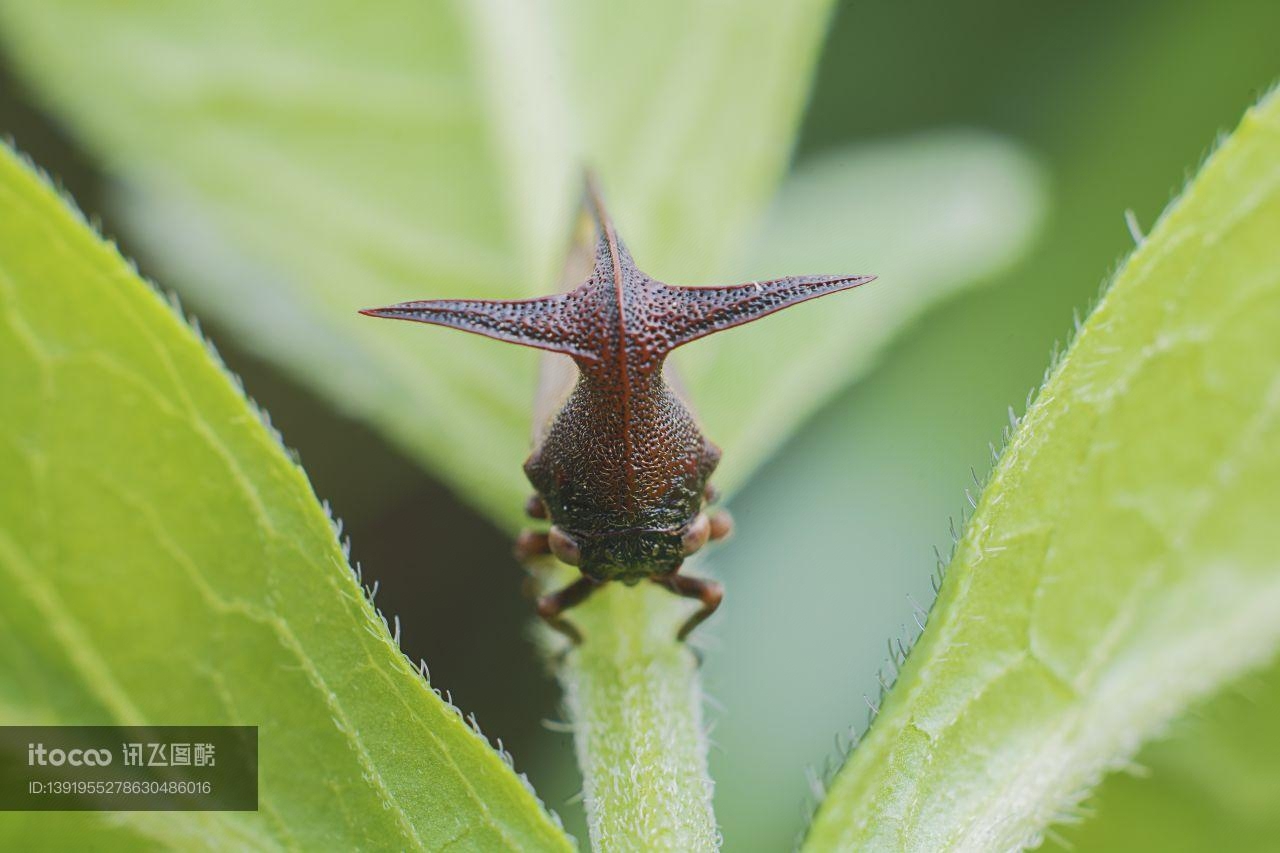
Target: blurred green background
[(1115, 102)]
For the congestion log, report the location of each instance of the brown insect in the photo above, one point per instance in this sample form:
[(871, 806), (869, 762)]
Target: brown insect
[(620, 467)]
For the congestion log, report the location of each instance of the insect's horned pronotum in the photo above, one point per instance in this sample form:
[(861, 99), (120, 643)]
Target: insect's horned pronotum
[(621, 469)]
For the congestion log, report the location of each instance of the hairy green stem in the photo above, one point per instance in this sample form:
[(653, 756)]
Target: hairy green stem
[(636, 701)]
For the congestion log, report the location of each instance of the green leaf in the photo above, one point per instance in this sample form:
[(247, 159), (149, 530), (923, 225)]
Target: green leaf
[(165, 562), (1212, 785), (288, 175), (1120, 564)]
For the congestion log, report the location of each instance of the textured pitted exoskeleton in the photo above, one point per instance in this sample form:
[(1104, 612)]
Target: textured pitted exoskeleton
[(621, 469)]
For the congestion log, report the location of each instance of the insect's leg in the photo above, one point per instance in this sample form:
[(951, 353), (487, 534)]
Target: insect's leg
[(696, 534), (705, 527), (709, 592), (721, 524), (536, 507), (551, 606), (530, 544)]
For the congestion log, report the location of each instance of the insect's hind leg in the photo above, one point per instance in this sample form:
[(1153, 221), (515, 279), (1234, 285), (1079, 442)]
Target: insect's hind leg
[(552, 606), (709, 592)]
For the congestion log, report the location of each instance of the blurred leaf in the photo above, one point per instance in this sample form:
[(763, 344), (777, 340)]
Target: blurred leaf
[(291, 163), (929, 214), (72, 831), (1119, 565), (1213, 785), (165, 562)]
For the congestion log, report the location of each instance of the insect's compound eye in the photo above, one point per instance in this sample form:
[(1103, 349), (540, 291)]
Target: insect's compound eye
[(564, 546)]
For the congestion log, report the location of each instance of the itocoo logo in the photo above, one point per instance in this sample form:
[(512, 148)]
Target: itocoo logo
[(38, 755)]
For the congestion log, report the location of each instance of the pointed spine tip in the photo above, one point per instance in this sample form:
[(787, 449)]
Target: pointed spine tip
[(390, 312)]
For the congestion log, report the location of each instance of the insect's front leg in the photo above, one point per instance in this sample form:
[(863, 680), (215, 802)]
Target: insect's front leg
[(535, 543), (709, 592), (551, 607), (531, 544)]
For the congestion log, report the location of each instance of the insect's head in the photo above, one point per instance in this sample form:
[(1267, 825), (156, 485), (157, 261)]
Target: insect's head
[(631, 556), (623, 555)]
